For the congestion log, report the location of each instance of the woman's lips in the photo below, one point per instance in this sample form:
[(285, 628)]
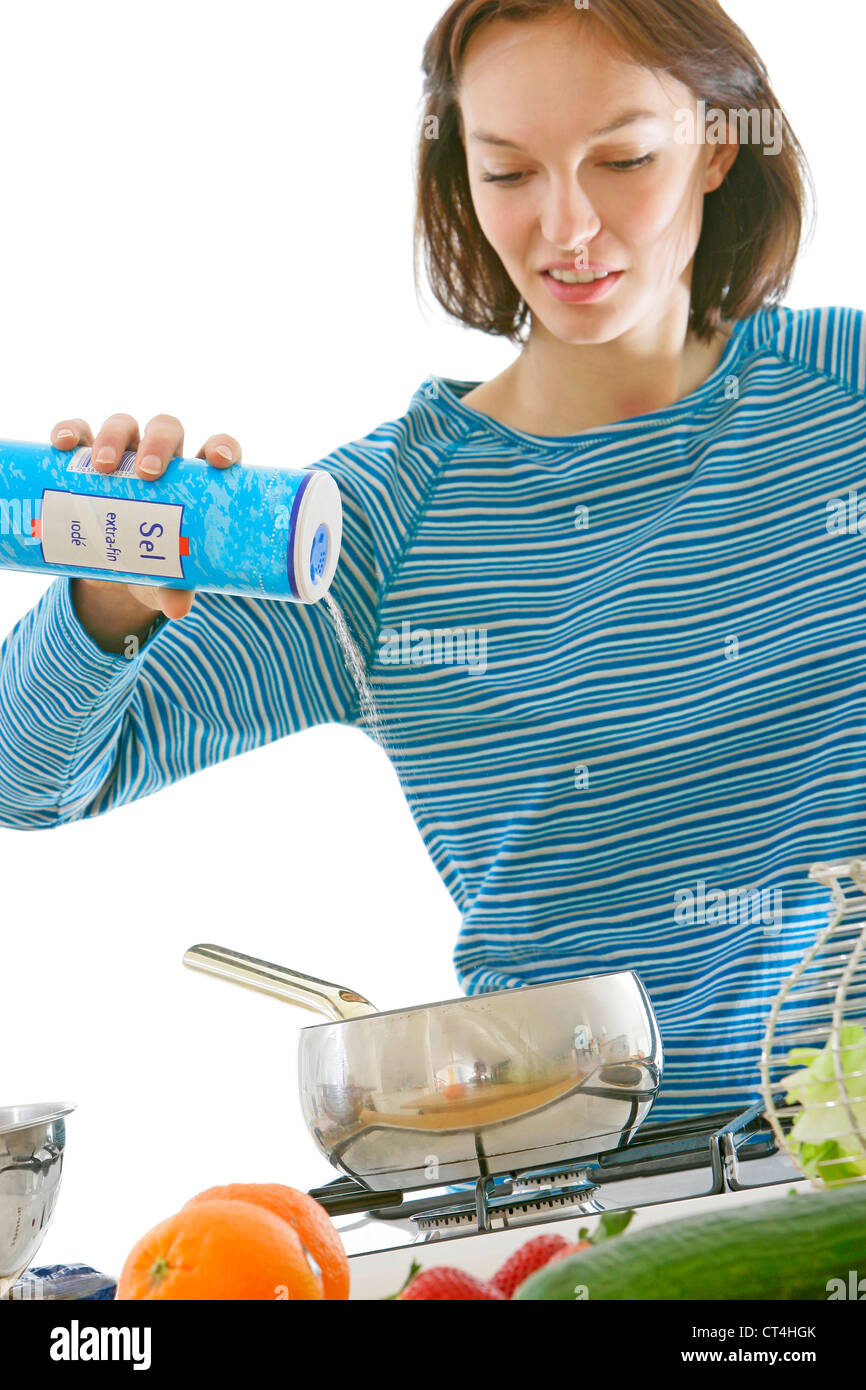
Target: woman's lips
[(581, 294)]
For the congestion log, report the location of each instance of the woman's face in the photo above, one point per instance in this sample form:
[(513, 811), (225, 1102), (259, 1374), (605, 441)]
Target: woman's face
[(556, 190)]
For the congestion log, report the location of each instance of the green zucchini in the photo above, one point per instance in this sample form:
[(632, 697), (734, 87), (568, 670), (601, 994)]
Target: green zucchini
[(788, 1248)]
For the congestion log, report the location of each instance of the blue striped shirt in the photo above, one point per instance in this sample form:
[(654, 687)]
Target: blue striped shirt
[(621, 676)]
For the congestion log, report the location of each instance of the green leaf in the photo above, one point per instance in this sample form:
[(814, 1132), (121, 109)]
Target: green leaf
[(415, 1269), (612, 1223), (817, 1134), (802, 1056)]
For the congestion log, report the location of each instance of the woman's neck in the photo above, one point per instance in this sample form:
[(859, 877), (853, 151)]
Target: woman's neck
[(556, 388)]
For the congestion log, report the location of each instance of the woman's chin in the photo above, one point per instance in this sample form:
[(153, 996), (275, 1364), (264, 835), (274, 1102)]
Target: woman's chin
[(581, 325)]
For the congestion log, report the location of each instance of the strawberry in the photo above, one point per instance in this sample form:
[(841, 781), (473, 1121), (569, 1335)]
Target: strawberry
[(442, 1283), (571, 1250), (530, 1257)]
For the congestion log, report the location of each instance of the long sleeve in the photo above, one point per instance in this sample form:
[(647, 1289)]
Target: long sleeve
[(83, 731)]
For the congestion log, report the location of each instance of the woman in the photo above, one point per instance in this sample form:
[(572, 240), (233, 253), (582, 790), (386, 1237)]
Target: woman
[(599, 597)]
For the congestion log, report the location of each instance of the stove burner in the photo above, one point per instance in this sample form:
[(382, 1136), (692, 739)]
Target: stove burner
[(450, 1219), (702, 1156), (545, 1178), (502, 1213)]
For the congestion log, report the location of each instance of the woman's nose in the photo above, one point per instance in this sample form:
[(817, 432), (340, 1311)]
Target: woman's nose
[(568, 219)]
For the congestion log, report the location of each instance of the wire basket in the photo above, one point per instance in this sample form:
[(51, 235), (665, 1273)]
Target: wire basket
[(815, 1099)]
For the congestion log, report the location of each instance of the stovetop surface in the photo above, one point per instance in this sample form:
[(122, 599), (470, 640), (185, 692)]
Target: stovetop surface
[(728, 1151)]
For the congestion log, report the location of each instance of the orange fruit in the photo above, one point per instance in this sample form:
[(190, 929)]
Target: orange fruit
[(313, 1225), (219, 1250)]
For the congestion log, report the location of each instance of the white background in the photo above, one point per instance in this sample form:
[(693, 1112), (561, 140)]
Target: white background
[(207, 211)]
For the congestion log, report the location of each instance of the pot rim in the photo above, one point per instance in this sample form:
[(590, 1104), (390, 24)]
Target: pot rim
[(483, 995), (34, 1114)]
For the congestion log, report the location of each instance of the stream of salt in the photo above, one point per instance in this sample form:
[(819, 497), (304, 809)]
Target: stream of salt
[(358, 671)]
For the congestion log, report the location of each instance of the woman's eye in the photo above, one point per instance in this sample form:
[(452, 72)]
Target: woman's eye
[(620, 166), (623, 165)]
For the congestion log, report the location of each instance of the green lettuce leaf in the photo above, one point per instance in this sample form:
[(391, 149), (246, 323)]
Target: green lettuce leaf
[(817, 1134)]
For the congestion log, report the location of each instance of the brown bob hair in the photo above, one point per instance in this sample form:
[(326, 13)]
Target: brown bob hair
[(753, 224)]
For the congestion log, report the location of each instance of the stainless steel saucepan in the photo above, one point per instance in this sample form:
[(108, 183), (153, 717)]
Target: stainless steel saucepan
[(485, 1085)]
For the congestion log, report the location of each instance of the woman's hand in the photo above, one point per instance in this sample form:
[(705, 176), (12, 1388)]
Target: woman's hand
[(112, 612)]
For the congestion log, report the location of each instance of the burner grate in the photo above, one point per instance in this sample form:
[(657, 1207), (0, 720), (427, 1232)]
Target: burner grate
[(708, 1155)]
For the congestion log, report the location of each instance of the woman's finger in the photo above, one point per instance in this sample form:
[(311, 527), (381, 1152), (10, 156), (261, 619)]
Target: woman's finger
[(221, 451), (174, 603), (119, 433), (161, 442), (68, 434)]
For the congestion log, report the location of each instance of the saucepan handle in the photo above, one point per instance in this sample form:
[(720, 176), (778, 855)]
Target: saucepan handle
[(319, 996)]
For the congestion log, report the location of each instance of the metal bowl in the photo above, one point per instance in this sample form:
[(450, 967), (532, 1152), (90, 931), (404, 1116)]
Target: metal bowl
[(32, 1142)]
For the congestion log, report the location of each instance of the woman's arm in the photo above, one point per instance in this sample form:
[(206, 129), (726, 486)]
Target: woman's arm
[(83, 730)]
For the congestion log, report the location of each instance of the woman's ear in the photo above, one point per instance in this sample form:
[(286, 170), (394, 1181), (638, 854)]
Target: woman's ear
[(720, 164)]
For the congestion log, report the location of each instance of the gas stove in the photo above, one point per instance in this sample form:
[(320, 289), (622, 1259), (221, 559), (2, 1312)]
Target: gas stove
[(715, 1155)]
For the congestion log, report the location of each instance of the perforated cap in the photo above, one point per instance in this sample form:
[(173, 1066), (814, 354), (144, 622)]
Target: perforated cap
[(318, 537)]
